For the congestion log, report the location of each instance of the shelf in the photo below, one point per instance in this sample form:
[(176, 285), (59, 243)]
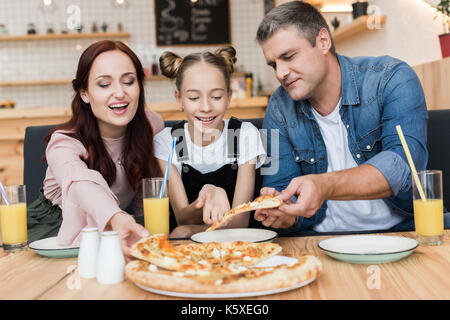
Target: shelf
[(357, 26), (34, 82), (251, 102), (59, 112), (60, 36), (57, 82), (24, 83)]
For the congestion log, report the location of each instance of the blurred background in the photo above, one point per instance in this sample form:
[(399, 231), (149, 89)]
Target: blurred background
[(41, 41)]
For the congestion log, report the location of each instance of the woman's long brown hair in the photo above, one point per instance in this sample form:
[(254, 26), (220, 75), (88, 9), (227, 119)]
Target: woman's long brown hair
[(138, 153)]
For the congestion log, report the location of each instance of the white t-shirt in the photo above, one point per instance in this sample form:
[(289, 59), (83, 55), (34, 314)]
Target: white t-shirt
[(348, 215), (215, 155)]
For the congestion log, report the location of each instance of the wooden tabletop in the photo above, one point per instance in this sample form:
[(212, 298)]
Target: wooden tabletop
[(421, 275)]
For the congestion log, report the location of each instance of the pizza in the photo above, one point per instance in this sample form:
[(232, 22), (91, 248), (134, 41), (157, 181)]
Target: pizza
[(229, 253), (222, 279), (214, 267), (262, 202), (158, 250)]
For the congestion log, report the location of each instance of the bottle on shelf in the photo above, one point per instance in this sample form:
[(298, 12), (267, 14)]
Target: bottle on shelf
[(80, 28), (259, 87), (155, 69), (249, 84), (31, 29), (64, 29), (50, 29), (3, 29)]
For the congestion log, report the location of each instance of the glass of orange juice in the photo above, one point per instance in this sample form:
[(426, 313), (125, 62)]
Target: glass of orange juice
[(156, 209), (429, 213), (13, 218)]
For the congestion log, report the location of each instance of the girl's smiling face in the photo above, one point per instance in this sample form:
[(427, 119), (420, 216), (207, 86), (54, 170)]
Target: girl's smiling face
[(204, 96)]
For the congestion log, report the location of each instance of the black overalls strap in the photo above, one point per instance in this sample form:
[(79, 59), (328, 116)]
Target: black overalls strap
[(181, 150), (224, 177)]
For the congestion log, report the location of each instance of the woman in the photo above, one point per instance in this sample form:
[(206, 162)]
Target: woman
[(216, 158), (96, 161)]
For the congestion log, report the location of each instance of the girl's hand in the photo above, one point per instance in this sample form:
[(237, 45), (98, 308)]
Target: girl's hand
[(129, 231), (214, 201)]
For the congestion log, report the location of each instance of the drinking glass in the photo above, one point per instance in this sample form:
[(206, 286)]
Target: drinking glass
[(156, 210), (429, 214), (13, 218)]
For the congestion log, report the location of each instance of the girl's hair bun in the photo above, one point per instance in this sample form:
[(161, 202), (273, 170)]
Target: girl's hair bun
[(170, 64), (229, 55)]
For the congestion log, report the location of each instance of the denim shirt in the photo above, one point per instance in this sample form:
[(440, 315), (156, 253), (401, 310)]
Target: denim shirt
[(378, 93)]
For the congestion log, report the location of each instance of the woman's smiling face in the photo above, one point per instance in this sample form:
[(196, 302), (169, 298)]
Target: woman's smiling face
[(113, 92)]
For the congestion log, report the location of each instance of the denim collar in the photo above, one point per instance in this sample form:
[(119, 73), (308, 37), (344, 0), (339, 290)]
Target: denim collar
[(349, 89)]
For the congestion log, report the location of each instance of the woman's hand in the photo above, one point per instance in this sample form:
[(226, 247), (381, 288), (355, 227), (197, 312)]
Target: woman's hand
[(214, 201), (129, 231)]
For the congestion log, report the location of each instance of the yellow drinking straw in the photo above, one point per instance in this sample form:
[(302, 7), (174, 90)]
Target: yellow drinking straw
[(411, 163)]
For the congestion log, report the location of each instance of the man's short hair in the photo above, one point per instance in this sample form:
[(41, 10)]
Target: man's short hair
[(308, 20)]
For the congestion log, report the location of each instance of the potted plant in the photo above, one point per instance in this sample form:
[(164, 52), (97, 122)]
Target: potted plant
[(443, 7), (359, 8)]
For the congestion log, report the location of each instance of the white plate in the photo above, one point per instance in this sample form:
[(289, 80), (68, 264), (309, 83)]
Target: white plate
[(49, 247), (235, 234), (271, 262), (368, 249)]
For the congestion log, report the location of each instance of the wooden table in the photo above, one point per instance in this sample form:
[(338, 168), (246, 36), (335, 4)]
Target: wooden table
[(422, 275)]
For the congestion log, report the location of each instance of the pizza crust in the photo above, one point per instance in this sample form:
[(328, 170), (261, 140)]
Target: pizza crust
[(262, 202)]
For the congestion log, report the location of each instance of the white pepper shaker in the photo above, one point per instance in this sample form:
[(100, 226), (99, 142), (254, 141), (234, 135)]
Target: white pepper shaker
[(87, 255), (111, 262)]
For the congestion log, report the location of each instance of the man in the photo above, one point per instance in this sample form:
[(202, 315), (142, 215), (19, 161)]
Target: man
[(341, 163)]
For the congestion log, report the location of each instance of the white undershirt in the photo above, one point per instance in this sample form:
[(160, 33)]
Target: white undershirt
[(350, 215), (215, 155)]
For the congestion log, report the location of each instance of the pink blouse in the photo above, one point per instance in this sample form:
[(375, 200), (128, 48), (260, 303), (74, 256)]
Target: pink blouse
[(83, 194)]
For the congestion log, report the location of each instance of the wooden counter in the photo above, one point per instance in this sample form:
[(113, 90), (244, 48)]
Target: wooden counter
[(14, 121), (435, 79)]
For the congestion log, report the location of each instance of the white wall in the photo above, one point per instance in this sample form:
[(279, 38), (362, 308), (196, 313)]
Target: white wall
[(57, 59), (410, 33)]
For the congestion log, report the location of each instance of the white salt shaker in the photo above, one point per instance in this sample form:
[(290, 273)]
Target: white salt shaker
[(111, 263), (87, 255)]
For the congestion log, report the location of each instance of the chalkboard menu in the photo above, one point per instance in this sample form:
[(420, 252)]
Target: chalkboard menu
[(188, 22)]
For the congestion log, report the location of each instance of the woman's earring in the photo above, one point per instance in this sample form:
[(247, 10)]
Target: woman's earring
[(86, 101)]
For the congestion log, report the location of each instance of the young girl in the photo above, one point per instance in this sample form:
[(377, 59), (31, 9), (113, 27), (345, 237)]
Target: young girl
[(214, 164), (96, 160)]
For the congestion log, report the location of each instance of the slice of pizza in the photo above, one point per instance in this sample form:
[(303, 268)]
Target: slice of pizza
[(244, 253), (158, 250), (262, 202), (228, 254), (204, 253)]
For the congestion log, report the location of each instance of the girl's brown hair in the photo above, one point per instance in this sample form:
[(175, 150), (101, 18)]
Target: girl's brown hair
[(173, 66), (138, 152)]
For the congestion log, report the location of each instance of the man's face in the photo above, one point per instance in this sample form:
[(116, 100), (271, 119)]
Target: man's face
[(299, 67)]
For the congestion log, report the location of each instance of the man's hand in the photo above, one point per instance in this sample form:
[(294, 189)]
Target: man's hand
[(214, 201), (311, 192), (274, 218), (129, 231)]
